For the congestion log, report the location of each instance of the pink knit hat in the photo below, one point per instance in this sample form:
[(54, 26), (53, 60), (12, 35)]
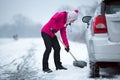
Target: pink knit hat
[(73, 15)]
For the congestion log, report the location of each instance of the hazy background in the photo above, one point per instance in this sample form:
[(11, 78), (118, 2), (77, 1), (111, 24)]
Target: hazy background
[(25, 18)]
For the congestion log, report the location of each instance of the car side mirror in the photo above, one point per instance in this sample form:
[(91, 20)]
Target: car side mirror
[(86, 19)]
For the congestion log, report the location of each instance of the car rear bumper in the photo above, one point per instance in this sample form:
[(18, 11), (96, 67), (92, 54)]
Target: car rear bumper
[(105, 51)]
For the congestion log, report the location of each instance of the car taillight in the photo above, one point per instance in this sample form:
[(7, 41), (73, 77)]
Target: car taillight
[(100, 25)]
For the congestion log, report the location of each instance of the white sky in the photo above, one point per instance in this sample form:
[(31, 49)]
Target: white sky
[(36, 10)]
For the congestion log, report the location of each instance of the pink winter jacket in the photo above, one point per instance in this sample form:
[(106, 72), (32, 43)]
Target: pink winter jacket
[(57, 22)]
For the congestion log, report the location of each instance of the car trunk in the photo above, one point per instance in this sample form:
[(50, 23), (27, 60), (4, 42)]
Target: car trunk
[(113, 20), (113, 26)]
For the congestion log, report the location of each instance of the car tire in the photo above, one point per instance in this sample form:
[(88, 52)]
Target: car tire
[(118, 63), (94, 69)]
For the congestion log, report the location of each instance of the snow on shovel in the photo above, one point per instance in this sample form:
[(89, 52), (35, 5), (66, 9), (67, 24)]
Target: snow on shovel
[(76, 63)]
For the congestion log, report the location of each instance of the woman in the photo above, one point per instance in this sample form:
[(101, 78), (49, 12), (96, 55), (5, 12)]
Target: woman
[(58, 22)]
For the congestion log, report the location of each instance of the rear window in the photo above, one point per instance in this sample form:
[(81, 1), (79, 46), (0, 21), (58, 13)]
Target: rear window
[(112, 6)]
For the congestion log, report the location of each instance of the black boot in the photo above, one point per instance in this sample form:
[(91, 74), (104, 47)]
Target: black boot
[(47, 70), (61, 68)]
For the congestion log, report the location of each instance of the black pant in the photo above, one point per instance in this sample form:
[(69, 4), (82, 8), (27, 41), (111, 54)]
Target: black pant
[(49, 44)]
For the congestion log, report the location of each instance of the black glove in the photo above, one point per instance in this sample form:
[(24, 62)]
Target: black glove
[(67, 49), (53, 31)]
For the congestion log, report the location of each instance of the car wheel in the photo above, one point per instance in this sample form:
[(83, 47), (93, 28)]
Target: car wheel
[(118, 63), (94, 69)]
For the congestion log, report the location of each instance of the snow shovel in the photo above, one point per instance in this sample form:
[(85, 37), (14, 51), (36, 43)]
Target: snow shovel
[(76, 63)]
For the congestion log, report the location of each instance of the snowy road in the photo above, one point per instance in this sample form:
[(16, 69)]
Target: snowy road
[(21, 60)]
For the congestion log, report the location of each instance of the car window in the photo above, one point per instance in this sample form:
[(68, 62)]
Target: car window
[(112, 7)]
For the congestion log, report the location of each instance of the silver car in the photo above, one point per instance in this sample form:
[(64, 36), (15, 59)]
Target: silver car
[(103, 36)]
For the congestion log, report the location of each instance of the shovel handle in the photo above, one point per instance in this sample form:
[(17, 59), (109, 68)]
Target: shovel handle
[(65, 47), (72, 56)]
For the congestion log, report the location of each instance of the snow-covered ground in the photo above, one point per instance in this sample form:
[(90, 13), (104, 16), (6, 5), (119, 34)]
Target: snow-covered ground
[(21, 60)]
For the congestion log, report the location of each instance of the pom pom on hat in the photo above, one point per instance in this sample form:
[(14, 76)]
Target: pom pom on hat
[(73, 15), (76, 11)]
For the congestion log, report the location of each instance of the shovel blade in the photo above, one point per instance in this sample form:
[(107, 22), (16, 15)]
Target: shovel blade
[(80, 64)]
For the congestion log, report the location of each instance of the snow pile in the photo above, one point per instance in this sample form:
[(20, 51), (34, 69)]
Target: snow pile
[(22, 60)]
